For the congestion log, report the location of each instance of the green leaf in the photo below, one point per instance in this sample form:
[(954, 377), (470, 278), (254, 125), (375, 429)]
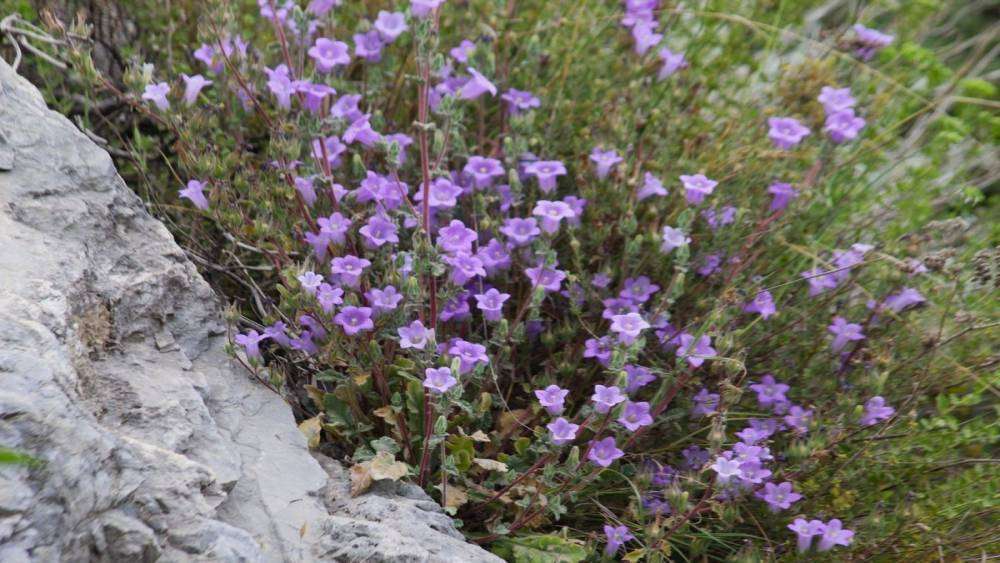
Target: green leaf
[(546, 548)]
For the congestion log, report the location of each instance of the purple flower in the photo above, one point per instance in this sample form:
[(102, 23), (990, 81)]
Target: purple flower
[(193, 86), (546, 171), (905, 298), (563, 431), (843, 126), (320, 243), (360, 131), (709, 264), (844, 332), (875, 411), (599, 349), (819, 280), (315, 94), (346, 108), (672, 62), (715, 220), (644, 33), (778, 497), (697, 188), (552, 398), (424, 8), (464, 50), (806, 530), (519, 101), (276, 332), (390, 193), (390, 25), (483, 170), (835, 99), (635, 416), (604, 452), (328, 54), (456, 238), (383, 300), (659, 474), (637, 378), (762, 304), (628, 327), (638, 290), (705, 403), (494, 256), (280, 84), (456, 308), (783, 195), (653, 502), (476, 86), (871, 41), (833, 534), (694, 352), (329, 296), (310, 282), (464, 267), (605, 161), (321, 7), (545, 277), (520, 231), (672, 238), (250, 343), (206, 54), (331, 147), (617, 536), (355, 319), (638, 11), (195, 193), (439, 380), (606, 397), (443, 194), (651, 186), (695, 457), (618, 306), (491, 303), (750, 435), (315, 327), (378, 231), (770, 391), (368, 46), (157, 93), (753, 472), (349, 268), (601, 280), (847, 259), (551, 213), (469, 355), (726, 469), (747, 452), (415, 335), (798, 419), (335, 227), (786, 132), (306, 189), (304, 343)]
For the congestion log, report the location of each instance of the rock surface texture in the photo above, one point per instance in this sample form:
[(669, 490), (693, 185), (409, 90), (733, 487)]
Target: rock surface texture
[(152, 445)]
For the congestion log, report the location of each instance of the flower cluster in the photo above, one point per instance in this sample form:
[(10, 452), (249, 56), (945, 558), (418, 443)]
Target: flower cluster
[(449, 289)]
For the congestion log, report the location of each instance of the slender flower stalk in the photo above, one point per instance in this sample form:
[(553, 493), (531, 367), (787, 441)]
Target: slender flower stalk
[(423, 58)]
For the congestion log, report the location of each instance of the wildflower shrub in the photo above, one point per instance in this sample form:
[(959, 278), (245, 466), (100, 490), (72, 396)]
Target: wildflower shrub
[(643, 313)]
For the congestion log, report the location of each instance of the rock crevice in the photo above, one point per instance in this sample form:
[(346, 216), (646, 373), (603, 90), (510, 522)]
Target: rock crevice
[(151, 444)]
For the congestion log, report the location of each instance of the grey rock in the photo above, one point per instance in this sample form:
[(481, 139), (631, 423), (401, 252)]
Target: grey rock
[(152, 445)]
